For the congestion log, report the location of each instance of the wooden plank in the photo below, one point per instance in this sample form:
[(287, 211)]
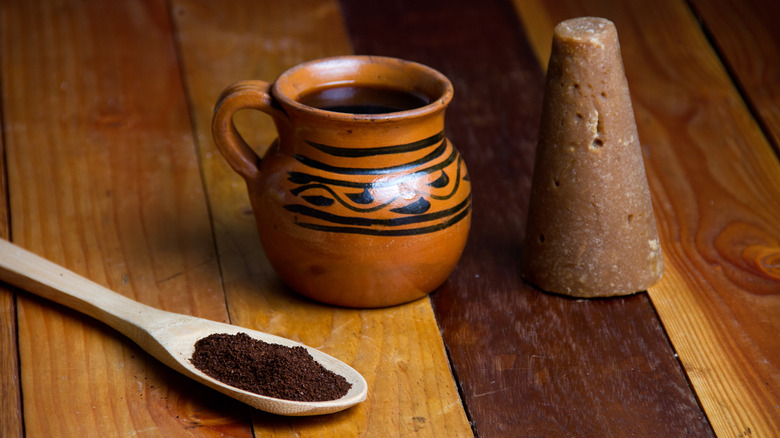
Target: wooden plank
[(529, 363), (10, 389), (715, 183), (746, 34), (103, 179), (399, 350)]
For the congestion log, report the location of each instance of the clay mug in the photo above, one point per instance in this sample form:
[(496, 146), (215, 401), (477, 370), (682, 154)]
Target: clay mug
[(361, 201)]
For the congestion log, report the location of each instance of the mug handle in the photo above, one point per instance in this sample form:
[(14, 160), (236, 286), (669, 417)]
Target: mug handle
[(251, 94)]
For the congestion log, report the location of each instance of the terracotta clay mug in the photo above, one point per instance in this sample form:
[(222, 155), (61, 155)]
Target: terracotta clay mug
[(361, 201)]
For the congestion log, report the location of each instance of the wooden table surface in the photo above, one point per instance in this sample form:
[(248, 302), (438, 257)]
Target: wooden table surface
[(108, 168)]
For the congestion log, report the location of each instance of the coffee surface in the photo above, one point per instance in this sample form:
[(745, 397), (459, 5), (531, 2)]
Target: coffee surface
[(271, 370), (362, 99)]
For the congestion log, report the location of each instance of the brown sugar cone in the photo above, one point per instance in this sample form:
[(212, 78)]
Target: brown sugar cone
[(590, 230)]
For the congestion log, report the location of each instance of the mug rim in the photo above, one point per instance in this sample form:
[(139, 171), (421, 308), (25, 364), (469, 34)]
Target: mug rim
[(284, 86)]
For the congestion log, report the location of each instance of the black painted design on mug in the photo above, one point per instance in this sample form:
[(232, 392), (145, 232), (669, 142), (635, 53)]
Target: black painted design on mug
[(409, 200)]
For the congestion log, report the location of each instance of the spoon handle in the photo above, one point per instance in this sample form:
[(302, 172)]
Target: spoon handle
[(35, 274)]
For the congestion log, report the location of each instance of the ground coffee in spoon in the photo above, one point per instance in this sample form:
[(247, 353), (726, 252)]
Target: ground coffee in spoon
[(271, 370)]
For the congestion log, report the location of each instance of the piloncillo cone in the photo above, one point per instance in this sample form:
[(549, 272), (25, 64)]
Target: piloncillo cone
[(590, 230)]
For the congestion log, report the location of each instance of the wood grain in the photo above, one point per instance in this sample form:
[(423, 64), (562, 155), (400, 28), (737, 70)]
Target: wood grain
[(715, 183), (748, 38), (10, 389), (398, 350), (105, 111), (529, 363), (103, 179)]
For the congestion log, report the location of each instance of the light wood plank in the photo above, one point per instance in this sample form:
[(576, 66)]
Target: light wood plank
[(715, 183), (10, 388), (399, 350), (103, 179), (746, 34)]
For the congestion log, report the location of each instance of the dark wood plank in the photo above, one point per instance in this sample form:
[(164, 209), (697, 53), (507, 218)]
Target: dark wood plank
[(528, 362), (746, 35)]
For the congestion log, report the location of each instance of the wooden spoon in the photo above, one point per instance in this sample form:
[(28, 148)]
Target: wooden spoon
[(170, 337)]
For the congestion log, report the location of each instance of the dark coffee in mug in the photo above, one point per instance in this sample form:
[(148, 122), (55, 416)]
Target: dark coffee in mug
[(362, 99)]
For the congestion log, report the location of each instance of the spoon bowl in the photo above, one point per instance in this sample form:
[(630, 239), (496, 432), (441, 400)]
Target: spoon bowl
[(169, 337)]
